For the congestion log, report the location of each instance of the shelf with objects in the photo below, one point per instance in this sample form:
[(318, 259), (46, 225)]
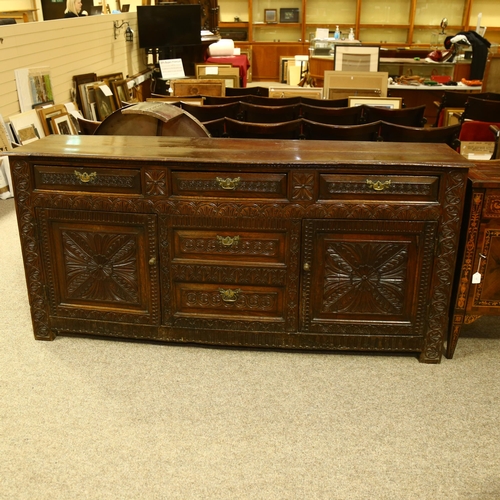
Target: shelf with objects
[(409, 25)]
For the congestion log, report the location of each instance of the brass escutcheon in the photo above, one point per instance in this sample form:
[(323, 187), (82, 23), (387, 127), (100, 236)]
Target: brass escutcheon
[(307, 266), (228, 183), (378, 185), (229, 295), (85, 177), (227, 241)]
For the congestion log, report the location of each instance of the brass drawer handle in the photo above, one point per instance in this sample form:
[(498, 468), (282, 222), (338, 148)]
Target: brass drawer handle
[(227, 241), (228, 183), (379, 185), (229, 295), (85, 177)]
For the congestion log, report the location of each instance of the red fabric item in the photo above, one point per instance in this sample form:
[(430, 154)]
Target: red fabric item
[(477, 131), (236, 61)]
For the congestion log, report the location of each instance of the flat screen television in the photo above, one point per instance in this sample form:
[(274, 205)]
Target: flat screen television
[(173, 25)]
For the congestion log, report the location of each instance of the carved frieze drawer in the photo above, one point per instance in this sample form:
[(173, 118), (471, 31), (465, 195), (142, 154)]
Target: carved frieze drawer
[(88, 179), (378, 187), (492, 204), (230, 246), (231, 185), (226, 302)]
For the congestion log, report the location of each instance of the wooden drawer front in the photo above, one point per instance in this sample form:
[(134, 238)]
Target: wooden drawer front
[(227, 302), (230, 246), (375, 187), (88, 179), (491, 208), (223, 184)]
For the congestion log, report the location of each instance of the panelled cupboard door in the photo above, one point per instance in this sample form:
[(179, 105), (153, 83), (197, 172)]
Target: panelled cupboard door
[(101, 266), (484, 297), (364, 277)]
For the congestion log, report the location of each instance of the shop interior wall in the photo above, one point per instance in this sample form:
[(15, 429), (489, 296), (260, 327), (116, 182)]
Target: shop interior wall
[(68, 47)]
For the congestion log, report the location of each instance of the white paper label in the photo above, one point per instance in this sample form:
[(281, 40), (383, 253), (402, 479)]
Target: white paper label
[(476, 278)]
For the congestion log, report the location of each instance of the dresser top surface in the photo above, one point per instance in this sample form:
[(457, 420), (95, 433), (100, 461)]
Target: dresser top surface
[(244, 151)]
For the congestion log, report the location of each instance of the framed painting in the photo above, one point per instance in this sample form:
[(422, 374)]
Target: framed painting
[(105, 102), (356, 58), (47, 113), (289, 15), (27, 127), (270, 16), (121, 92), (62, 125), (379, 102)]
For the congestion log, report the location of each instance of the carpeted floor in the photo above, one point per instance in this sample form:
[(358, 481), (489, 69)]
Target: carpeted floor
[(92, 419)]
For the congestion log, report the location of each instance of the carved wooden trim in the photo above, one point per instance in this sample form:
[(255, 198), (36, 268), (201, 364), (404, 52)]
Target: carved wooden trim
[(445, 265), (31, 250)]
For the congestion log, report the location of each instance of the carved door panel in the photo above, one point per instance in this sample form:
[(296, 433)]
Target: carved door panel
[(484, 297), (232, 274), (361, 275), (100, 265)]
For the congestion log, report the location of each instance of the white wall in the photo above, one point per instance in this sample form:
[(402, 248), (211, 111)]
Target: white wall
[(68, 47)]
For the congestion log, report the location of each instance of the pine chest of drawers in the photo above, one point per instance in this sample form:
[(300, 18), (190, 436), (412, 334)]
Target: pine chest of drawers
[(304, 245)]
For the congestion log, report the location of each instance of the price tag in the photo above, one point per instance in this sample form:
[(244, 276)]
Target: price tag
[(476, 278)]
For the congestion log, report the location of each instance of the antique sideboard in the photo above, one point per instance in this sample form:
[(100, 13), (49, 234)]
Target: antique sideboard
[(476, 289), (304, 245)]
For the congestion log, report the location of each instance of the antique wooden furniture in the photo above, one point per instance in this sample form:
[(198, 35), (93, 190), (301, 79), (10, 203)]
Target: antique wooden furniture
[(391, 132), (409, 117), (332, 116), (311, 245), (476, 291), (327, 132)]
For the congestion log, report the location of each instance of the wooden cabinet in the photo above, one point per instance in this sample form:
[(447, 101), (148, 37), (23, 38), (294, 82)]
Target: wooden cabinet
[(293, 244), (476, 290)]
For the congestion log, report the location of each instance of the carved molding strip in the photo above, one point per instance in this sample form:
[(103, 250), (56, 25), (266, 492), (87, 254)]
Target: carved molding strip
[(243, 186), (101, 180), (31, 251), (445, 265), (199, 273), (345, 210)]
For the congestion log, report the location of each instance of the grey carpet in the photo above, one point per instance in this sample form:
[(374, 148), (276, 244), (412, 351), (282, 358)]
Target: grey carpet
[(93, 419)]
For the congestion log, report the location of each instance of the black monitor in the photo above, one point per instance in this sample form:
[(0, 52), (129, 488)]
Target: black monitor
[(174, 25)]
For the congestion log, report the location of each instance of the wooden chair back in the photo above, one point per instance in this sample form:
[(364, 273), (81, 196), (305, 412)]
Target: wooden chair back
[(87, 127), (284, 130), (332, 116), (410, 117), (325, 132), (268, 114), (325, 103), (212, 112), (275, 101), (484, 110), (216, 128), (391, 132), (213, 100)]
